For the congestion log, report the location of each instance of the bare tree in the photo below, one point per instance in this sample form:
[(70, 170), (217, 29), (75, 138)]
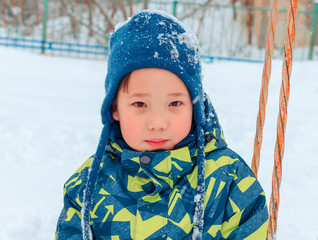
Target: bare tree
[(202, 17)]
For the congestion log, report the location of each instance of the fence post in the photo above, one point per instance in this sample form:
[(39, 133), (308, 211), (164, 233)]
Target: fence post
[(44, 26), (313, 30), (90, 16), (175, 3)]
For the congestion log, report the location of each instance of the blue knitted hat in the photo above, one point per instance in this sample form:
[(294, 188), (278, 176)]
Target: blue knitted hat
[(152, 39)]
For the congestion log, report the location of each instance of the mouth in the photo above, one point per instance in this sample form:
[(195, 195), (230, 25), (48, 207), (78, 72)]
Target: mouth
[(156, 142)]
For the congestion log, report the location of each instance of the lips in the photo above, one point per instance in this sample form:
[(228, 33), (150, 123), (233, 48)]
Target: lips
[(156, 142)]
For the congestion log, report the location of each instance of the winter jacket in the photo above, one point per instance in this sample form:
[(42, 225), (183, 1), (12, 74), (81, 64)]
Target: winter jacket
[(150, 195)]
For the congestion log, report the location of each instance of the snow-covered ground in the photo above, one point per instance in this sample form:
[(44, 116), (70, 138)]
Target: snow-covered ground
[(50, 123)]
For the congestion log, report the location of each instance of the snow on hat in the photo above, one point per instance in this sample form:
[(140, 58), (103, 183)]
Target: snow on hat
[(152, 39)]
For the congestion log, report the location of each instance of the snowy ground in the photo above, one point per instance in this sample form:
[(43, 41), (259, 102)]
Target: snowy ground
[(50, 123)]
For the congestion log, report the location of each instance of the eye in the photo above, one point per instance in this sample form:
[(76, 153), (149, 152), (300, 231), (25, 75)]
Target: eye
[(175, 104), (139, 104)]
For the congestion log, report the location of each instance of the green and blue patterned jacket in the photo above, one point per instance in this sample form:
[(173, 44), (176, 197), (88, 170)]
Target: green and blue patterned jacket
[(135, 198)]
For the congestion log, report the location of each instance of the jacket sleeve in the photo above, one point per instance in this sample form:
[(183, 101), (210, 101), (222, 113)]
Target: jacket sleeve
[(69, 223), (246, 214)]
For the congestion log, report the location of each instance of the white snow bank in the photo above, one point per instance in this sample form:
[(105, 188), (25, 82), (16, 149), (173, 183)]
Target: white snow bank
[(50, 124)]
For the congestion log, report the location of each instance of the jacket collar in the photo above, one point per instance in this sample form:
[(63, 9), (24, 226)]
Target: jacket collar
[(162, 169)]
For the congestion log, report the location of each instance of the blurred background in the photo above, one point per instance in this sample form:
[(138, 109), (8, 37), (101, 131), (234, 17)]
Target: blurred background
[(226, 29)]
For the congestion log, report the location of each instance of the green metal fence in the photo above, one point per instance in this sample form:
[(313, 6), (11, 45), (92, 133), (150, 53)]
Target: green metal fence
[(82, 28)]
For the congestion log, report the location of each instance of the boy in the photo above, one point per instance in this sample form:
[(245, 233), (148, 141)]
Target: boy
[(162, 169)]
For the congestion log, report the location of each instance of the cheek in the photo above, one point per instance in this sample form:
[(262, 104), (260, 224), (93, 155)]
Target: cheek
[(183, 124), (129, 126)]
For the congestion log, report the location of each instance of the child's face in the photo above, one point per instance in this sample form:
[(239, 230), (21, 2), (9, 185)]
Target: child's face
[(155, 111)]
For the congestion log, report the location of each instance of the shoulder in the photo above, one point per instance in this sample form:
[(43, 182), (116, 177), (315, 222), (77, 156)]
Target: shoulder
[(227, 165), (76, 184), (227, 161)]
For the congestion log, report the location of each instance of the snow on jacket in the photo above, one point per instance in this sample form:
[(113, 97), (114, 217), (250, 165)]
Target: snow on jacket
[(150, 195)]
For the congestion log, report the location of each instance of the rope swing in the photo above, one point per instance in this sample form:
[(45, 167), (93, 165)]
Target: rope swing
[(283, 103), (282, 118), (265, 81)]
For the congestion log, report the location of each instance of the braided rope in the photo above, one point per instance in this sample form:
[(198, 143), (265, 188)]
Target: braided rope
[(282, 119), (265, 81)]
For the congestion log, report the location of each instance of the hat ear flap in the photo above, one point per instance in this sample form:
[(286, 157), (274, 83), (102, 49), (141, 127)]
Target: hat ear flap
[(91, 181), (199, 198)]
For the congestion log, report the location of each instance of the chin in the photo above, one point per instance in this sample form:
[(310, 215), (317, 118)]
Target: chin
[(151, 149)]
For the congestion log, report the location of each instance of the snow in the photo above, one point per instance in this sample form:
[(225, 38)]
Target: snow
[(121, 24), (50, 124), (166, 39), (188, 37)]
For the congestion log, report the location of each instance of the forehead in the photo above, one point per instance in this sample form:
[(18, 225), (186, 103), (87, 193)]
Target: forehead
[(149, 78)]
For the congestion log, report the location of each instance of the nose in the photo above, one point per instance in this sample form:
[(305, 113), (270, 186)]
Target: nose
[(157, 120)]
